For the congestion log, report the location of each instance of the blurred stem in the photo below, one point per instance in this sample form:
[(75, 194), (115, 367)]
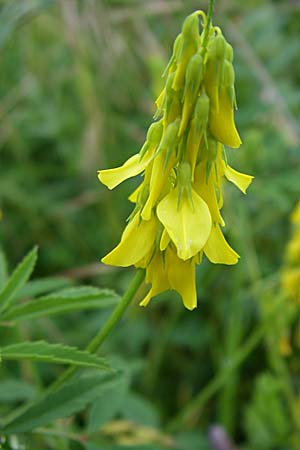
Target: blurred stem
[(193, 408), (279, 365), (105, 331), (236, 318), (232, 337), (210, 12), (159, 347)]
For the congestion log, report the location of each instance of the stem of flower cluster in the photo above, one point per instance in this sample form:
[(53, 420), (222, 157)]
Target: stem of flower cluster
[(208, 25), (210, 11), (107, 328)]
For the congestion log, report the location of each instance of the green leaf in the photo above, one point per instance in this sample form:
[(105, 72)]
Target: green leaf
[(3, 268), (12, 391), (18, 278), (41, 286), (68, 300), (53, 353), (140, 410), (108, 404), (192, 440), (69, 399)]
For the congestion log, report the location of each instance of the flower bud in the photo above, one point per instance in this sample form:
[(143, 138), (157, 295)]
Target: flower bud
[(153, 137), (159, 102), (190, 42), (220, 47), (169, 141), (193, 78), (229, 52), (229, 76), (184, 173), (141, 200), (175, 55), (184, 176), (201, 115), (190, 27), (172, 103), (228, 81), (211, 155), (194, 75)]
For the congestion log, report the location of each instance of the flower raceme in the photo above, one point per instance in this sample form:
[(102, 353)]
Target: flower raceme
[(177, 216)]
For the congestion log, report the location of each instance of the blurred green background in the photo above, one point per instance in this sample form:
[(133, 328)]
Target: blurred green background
[(77, 84)]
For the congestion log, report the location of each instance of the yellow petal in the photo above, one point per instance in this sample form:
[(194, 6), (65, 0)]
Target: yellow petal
[(132, 167), (159, 100), (156, 275), (295, 216), (181, 275), (137, 240), (290, 282), (221, 121), (158, 180), (133, 197), (206, 188), (187, 225), (241, 180), (164, 241), (217, 249)]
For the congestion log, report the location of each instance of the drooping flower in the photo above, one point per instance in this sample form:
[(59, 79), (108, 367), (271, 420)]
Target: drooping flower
[(177, 215)]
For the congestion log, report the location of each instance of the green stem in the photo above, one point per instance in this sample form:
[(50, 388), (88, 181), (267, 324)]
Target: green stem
[(210, 12), (105, 331), (217, 382), (233, 334), (208, 25)]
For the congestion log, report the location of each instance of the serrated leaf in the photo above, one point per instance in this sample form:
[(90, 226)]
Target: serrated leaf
[(18, 279), (69, 399), (68, 300), (42, 286), (53, 353)]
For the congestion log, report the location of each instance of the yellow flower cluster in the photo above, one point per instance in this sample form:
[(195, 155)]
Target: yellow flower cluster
[(290, 278), (177, 215)]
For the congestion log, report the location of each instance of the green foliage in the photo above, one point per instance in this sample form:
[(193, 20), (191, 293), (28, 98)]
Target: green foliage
[(17, 280), (267, 430), (62, 403), (52, 353), (3, 268), (67, 300), (12, 391)]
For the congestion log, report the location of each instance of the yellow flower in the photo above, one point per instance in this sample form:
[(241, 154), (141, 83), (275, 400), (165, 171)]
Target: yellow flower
[(290, 282), (177, 214), (290, 276), (188, 223), (136, 241)]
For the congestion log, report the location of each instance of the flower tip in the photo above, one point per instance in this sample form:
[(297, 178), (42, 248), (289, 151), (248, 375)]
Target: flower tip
[(101, 174), (235, 141), (190, 307), (251, 178), (104, 260), (146, 300)]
